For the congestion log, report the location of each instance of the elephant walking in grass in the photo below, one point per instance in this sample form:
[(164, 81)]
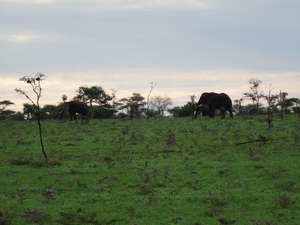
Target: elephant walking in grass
[(74, 107), (215, 101)]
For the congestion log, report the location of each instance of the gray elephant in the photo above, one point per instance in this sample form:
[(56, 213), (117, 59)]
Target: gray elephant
[(74, 107), (215, 101)]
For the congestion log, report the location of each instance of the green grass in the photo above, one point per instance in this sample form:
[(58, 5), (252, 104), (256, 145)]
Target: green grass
[(157, 171)]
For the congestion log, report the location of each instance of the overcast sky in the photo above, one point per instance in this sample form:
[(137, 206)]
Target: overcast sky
[(186, 47)]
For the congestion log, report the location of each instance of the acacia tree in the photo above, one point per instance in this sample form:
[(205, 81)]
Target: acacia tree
[(94, 94), (35, 83), (4, 104), (3, 111), (160, 104), (132, 105), (255, 95), (291, 104)]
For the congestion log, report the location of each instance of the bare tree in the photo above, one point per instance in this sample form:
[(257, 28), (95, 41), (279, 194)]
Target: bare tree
[(35, 83), (148, 98), (271, 100), (160, 104)]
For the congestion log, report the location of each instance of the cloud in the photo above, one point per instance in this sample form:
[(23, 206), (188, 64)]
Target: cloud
[(23, 37), (19, 38), (119, 5)]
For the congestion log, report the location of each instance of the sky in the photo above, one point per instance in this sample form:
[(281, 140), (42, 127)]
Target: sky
[(184, 47)]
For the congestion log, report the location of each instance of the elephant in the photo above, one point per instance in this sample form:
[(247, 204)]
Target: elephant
[(75, 107), (215, 101)]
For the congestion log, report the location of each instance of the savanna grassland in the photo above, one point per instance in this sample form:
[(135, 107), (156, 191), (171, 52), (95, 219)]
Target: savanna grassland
[(157, 171)]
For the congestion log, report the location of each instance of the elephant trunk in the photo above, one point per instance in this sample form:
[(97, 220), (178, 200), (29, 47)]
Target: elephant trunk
[(197, 110)]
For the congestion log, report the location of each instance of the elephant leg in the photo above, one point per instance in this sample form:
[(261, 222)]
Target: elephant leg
[(61, 115), (231, 115), (72, 115), (211, 112), (222, 112), (196, 113)]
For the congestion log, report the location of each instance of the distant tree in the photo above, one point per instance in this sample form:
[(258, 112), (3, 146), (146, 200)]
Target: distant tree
[(133, 105), (271, 100), (296, 106), (18, 116), (160, 104), (149, 112), (94, 94), (250, 109), (50, 112), (4, 104), (237, 106), (187, 110), (255, 95), (174, 111), (3, 112), (29, 110), (281, 102), (290, 104), (6, 114), (114, 105), (35, 83)]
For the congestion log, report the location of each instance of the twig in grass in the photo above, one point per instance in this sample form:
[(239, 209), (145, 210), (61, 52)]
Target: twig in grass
[(260, 139)]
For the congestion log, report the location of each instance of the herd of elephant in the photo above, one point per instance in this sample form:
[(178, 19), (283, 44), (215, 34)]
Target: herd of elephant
[(213, 100)]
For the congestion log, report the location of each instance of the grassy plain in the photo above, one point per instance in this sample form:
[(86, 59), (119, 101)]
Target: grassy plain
[(157, 171)]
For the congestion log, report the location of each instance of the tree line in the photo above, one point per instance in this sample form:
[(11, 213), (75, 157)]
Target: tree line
[(105, 105)]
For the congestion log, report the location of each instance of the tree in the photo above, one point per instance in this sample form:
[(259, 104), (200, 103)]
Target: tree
[(29, 110), (4, 104), (237, 105), (114, 104), (187, 110), (174, 111), (296, 107), (271, 100), (160, 104), (50, 112), (148, 111), (254, 94), (281, 102), (133, 105), (3, 111), (291, 105), (35, 83), (94, 94)]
